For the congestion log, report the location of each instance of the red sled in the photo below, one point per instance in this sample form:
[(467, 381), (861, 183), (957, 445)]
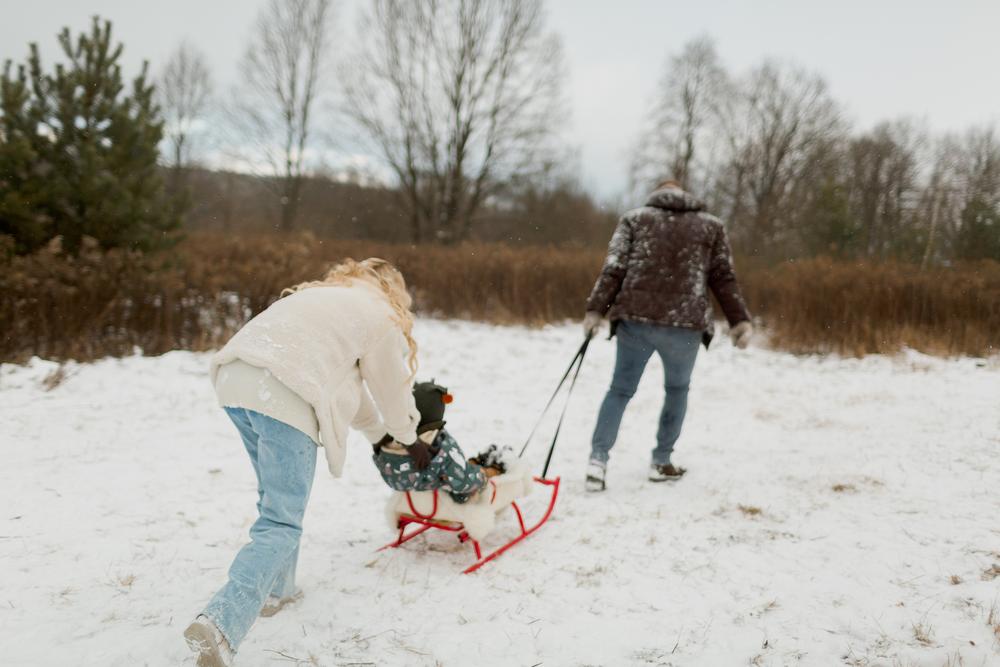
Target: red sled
[(427, 521), (506, 489)]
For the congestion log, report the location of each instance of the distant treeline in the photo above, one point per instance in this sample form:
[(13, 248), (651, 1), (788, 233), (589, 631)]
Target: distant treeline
[(239, 204), (460, 127), (772, 152)]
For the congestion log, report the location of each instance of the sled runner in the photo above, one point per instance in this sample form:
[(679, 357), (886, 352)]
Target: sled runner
[(475, 519)]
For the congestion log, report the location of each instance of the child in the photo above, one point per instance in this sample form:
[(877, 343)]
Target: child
[(448, 470)]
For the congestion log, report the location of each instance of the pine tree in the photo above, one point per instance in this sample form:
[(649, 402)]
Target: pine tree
[(21, 173), (979, 235), (93, 154)]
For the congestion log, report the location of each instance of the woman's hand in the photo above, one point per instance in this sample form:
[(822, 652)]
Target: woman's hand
[(377, 446), (420, 453)]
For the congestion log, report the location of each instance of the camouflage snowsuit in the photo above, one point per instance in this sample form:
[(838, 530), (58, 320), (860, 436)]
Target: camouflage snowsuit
[(448, 470)]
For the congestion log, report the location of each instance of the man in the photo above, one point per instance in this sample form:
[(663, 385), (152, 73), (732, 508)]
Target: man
[(662, 260)]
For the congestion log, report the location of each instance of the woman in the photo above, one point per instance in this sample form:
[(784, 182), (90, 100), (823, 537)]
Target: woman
[(293, 377)]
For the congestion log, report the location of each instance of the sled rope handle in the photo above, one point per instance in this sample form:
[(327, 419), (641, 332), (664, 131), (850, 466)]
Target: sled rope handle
[(578, 363)]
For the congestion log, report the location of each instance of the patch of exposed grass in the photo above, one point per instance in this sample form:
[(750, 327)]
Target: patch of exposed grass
[(993, 621), (750, 510), (764, 608), (55, 378), (923, 633), (955, 660)]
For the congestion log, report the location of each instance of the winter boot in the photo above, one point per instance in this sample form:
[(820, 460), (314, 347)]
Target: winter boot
[(665, 473), (274, 604), (205, 639), (596, 471)]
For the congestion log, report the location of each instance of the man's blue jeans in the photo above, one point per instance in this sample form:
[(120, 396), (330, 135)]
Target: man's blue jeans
[(678, 349), (284, 459)]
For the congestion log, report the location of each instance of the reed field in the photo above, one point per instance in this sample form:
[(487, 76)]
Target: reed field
[(117, 302)]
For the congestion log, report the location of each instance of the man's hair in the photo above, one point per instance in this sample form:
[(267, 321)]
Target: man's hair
[(669, 183)]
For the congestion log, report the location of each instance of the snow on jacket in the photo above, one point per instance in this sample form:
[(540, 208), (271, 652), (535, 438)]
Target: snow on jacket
[(326, 344), (662, 260)]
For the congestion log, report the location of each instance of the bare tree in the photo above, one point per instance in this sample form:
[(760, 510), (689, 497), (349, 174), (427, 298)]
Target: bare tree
[(184, 90), (980, 167), (977, 233), (456, 96), (677, 139), (883, 184), (282, 81), (777, 126), (940, 199)]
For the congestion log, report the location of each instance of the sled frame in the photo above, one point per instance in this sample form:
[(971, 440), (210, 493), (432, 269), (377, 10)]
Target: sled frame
[(426, 522)]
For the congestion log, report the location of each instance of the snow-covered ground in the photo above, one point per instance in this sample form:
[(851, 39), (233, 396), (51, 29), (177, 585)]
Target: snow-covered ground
[(836, 512)]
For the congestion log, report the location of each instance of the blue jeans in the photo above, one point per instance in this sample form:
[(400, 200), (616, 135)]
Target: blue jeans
[(284, 460), (678, 349)]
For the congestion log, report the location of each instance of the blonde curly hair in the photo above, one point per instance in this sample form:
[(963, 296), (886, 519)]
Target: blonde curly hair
[(387, 278)]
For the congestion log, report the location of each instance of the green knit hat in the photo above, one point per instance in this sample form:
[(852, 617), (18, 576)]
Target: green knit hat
[(431, 400)]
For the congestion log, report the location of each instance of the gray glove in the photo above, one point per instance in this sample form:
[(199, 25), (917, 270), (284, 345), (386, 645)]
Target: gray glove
[(591, 323), (741, 334)]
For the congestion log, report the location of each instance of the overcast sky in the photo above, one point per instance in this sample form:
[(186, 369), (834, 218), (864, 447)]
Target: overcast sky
[(930, 60)]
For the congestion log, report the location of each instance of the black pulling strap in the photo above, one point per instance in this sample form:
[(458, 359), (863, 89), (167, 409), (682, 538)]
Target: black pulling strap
[(578, 362)]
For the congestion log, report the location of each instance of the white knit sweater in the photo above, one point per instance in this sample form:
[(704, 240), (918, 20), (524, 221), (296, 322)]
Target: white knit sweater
[(326, 344), (240, 385)]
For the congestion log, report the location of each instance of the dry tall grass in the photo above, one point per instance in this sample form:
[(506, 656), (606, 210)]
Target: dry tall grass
[(821, 305), (477, 281), (111, 303)]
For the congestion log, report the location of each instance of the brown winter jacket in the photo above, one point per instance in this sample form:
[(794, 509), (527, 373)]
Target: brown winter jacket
[(662, 260)]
